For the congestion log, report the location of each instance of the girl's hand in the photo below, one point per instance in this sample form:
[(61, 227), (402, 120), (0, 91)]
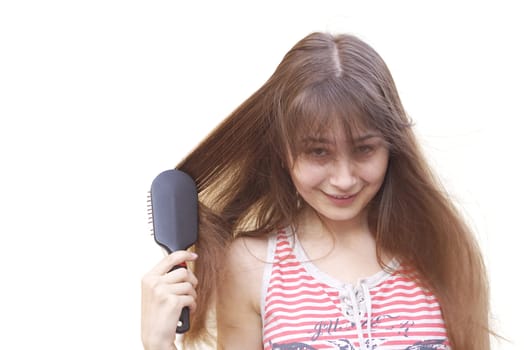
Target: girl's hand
[(164, 295)]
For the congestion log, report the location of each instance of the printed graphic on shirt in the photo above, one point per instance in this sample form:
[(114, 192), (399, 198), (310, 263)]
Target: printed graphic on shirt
[(324, 332)]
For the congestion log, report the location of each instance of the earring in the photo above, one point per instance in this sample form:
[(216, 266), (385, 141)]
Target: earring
[(299, 200)]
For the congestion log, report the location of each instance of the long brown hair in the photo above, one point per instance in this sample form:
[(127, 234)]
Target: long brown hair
[(241, 171)]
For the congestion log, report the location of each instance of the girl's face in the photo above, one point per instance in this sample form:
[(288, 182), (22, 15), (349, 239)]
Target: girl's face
[(338, 178)]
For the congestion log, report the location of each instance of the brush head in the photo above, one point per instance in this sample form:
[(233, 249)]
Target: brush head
[(174, 210)]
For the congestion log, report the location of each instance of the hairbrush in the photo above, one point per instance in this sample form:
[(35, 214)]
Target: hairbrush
[(174, 216)]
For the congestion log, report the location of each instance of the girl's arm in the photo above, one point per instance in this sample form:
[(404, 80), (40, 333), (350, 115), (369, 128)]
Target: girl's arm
[(239, 323)]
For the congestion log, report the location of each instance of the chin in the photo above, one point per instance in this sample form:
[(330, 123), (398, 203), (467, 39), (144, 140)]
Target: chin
[(340, 218)]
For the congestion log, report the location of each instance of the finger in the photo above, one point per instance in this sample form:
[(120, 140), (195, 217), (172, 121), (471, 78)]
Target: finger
[(180, 275), (187, 300), (171, 260), (181, 289), (161, 293), (175, 298), (192, 278)]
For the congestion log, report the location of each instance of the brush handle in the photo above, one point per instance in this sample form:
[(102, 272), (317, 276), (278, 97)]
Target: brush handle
[(183, 321)]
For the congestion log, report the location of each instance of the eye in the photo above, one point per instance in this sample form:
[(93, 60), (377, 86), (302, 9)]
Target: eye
[(317, 152), (363, 150)]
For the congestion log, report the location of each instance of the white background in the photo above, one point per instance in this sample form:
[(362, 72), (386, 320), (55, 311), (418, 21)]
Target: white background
[(97, 97)]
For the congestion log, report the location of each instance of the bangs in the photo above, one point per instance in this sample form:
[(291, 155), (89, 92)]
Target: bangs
[(318, 111)]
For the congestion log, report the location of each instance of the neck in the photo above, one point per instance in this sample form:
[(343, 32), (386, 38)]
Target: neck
[(312, 225), (333, 244)]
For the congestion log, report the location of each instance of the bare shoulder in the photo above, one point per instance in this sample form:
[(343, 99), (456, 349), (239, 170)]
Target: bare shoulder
[(245, 262), (239, 321), (246, 253)]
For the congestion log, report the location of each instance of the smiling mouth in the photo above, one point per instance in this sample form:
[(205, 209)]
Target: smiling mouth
[(340, 197), (346, 196)]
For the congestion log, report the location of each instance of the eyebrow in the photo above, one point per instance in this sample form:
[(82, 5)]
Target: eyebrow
[(366, 137), (362, 138), (312, 139)]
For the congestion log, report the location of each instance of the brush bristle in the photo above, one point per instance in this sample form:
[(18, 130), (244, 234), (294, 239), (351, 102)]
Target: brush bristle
[(150, 214)]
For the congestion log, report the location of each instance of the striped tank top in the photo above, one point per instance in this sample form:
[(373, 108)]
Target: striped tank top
[(304, 308)]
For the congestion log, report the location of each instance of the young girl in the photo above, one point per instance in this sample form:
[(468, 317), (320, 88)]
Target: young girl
[(321, 224)]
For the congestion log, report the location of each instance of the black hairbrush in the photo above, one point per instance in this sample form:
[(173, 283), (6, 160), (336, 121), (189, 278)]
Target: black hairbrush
[(174, 215)]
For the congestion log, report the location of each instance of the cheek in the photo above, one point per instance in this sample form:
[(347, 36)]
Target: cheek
[(306, 176), (375, 172)]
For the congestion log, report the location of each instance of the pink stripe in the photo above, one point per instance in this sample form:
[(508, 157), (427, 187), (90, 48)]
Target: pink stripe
[(298, 308)]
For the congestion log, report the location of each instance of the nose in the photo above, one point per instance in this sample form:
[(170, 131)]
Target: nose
[(343, 174)]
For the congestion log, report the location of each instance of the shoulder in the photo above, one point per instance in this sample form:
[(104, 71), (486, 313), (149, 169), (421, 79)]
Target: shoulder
[(244, 264), (239, 322), (245, 259)]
